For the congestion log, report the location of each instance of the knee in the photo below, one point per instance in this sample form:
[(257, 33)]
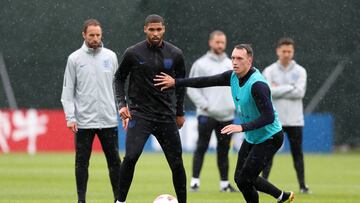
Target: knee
[(81, 164), (202, 148), (114, 166), (222, 149), (237, 178), (81, 161), (130, 159), (177, 164), (242, 181), (298, 156)]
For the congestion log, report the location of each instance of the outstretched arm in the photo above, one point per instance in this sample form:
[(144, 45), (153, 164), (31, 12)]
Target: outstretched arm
[(166, 81), (196, 95)]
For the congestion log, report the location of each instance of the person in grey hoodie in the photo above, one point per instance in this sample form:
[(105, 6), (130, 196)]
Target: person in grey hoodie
[(288, 86), (214, 110), (89, 105)]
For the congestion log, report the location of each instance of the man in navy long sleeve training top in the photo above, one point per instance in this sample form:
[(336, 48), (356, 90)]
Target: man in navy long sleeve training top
[(149, 110)]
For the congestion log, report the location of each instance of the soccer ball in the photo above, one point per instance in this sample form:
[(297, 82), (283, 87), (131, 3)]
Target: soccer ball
[(165, 198)]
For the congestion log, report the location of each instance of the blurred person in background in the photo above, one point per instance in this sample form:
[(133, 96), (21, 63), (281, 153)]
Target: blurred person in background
[(89, 105), (214, 110), (287, 81)]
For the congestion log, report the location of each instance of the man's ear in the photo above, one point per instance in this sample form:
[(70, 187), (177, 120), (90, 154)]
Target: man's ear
[(251, 59), (145, 28), (84, 34)]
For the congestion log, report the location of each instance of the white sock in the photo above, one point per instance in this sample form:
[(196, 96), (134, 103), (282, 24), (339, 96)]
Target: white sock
[(119, 201), (195, 181), (280, 197), (224, 183)]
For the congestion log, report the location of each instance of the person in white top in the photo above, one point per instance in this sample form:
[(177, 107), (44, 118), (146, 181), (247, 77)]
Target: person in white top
[(89, 105), (288, 86), (214, 110)]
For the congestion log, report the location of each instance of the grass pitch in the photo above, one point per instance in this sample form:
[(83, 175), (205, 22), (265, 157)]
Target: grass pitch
[(50, 178)]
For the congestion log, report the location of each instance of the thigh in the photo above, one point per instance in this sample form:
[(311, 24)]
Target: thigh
[(84, 139), (205, 127), (109, 140), (223, 139), (294, 135), (260, 155), (242, 156), (137, 134), (168, 137)]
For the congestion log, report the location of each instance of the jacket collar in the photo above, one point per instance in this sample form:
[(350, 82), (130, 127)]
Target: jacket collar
[(246, 77), (288, 68), (91, 50), (151, 46)]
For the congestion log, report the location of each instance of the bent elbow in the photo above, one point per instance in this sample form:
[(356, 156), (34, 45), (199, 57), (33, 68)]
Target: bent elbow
[(270, 119)]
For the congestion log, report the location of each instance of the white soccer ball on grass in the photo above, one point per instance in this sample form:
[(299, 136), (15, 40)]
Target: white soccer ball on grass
[(165, 198)]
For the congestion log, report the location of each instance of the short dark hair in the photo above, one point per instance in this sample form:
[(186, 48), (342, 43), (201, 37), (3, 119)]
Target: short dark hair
[(247, 47), (154, 18), (90, 22), (285, 41), (214, 33)]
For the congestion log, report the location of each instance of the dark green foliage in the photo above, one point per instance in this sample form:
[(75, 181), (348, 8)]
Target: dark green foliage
[(37, 36)]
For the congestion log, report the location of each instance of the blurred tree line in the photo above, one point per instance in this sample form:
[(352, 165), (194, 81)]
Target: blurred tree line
[(37, 36)]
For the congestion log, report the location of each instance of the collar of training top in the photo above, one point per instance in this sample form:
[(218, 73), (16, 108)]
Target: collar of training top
[(243, 80), (91, 50), (288, 68), (152, 46)]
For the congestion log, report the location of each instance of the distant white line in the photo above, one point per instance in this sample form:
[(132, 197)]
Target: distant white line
[(6, 84), (320, 94)]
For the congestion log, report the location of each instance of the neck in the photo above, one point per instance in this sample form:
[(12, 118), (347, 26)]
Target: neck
[(285, 63), (155, 45), (94, 48), (242, 74), (217, 54)]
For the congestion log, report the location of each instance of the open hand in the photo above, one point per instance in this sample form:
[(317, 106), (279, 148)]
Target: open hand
[(231, 129), (164, 80)]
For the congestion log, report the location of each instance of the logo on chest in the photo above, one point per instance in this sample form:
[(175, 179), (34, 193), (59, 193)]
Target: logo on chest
[(295, 76), (107, 64), (168, 62)]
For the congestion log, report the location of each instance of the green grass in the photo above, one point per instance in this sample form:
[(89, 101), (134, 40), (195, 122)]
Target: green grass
[(50, 178)]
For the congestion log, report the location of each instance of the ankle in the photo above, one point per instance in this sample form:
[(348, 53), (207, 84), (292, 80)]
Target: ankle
[(224, 183)]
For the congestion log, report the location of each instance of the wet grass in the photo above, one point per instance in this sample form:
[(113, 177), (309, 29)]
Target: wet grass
[(50, 178)]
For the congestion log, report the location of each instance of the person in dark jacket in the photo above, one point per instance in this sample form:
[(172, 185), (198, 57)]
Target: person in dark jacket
[(148, 110)]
